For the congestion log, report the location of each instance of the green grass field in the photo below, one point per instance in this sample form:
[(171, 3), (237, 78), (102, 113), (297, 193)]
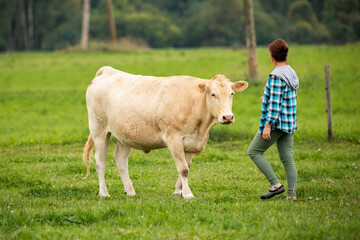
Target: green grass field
[(43, 128)]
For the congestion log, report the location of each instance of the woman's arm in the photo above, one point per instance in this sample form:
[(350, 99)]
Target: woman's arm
[(274, 94), (266, 133), (272, 102)]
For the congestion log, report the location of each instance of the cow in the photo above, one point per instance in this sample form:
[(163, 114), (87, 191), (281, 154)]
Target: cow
[(146, 113)]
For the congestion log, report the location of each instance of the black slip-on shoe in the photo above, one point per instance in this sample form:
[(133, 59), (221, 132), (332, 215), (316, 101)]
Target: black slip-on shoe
[(273, 191)]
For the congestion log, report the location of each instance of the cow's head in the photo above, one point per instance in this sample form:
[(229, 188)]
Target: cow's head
[(219, 97)]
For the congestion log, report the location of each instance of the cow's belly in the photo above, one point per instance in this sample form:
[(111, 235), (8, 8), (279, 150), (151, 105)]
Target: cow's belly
[(141, 145), (138, 135)]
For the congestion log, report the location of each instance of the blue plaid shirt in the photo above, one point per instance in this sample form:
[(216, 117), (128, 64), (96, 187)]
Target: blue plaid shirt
[(278, 106)]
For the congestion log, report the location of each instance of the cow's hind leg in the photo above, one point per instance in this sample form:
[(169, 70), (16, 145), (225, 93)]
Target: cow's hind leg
[(121, 157), (101, 142), (178, 185)]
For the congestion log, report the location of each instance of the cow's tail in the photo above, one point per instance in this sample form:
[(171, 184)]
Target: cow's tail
[(87, 154)]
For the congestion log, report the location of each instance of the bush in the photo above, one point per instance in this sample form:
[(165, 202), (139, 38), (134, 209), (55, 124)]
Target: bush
[(340, 32), (99, 26), (302, 32), (158, 31), (218, 23), (355, 22), (264, 26), (305, 26), (65, 35), (126, 44), (301, 10), (194, 32)]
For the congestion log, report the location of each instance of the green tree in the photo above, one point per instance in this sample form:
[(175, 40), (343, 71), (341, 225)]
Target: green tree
[(301, 10), (266, 26), (218, 23), (158, 31), (305, 27), (48, 25), (341, 18)]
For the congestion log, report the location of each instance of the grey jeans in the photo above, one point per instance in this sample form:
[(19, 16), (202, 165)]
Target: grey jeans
[(284, 142)]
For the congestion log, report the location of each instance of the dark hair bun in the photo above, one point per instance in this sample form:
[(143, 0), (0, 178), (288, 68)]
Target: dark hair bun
[(279, 50)]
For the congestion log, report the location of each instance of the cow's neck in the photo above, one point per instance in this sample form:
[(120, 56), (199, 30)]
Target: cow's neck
[(207, 122), (196, 140)]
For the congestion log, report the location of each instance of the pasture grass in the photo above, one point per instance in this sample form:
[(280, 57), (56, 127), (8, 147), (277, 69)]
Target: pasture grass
[(43, 126)]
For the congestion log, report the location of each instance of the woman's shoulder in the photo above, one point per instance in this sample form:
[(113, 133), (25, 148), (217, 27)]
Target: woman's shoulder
[(273, 79)]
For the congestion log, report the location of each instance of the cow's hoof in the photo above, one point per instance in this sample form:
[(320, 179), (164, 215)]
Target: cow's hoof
[(131, 194), (188, 196), (177, 193), (104, 194)]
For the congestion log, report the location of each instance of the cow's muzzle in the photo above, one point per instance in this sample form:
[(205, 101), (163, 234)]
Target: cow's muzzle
[(226, 118)]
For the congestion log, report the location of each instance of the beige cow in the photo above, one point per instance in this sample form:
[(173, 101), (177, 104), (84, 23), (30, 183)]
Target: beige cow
[(147, 113)]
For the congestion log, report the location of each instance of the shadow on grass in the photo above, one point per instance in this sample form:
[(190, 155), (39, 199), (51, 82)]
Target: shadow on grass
[(46, 191), (11, 220)]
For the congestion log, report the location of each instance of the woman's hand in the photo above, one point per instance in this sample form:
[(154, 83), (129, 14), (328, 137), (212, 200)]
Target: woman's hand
[(266, 132)]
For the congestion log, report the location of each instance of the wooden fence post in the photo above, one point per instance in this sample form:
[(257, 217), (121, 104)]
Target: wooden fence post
[(328, 101)]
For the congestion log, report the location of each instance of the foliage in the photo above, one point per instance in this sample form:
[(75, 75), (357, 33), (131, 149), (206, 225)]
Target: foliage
[(178, 23), (301, 10), (66, 34), (263, 23), (43, 125), (157, 30), (341, 17), (55, 23), (305, 26), (123, 45)]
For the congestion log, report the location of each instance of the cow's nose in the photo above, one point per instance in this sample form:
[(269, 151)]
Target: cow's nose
[(228, 118)]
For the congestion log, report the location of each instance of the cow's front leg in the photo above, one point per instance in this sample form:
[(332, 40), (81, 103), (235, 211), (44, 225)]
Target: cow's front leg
[(178, 185), (176, 148), (178, 188)]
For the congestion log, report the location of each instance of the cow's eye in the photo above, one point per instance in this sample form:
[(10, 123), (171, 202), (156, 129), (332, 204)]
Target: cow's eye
[(213, 95), (232, 93)]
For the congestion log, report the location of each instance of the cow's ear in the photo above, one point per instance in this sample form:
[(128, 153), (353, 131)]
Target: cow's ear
[(239, 86), (202, 87)]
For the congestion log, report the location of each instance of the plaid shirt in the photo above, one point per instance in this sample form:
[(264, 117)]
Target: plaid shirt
[(278, 106)]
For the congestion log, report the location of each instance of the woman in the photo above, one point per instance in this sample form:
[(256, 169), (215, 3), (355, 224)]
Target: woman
[(277, 122)]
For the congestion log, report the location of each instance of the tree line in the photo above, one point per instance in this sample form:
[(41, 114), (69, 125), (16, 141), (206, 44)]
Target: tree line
[(56, 24)]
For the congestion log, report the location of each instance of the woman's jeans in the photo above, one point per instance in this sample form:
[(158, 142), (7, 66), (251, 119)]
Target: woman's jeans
[(284, 143)]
